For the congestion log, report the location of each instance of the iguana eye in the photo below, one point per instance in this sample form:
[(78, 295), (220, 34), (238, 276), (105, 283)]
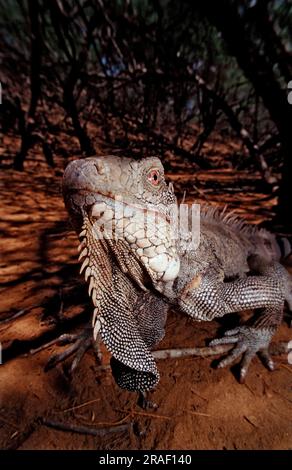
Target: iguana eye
[(154, 177)]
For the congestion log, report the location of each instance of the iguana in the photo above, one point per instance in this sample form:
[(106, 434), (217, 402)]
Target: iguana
[(137, 266)]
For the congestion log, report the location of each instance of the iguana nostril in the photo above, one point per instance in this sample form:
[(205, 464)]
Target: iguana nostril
[(99, 168)]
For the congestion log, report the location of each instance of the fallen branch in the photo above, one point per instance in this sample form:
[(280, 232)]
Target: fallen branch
[(185, 352), (84, 429), (18, 314), (198, 413), (276, 349)]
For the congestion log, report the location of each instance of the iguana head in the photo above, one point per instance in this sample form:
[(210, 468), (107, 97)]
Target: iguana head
[(128, 204), (141, 182)]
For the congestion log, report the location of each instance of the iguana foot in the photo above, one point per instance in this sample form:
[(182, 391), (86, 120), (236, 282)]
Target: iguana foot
[(144, 403), (81, 343), (248, 343)]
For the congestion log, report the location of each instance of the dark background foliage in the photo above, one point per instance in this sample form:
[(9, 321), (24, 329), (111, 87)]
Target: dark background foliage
[(152, 76)]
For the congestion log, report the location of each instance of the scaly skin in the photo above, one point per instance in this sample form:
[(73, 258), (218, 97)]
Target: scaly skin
[(137, 266)]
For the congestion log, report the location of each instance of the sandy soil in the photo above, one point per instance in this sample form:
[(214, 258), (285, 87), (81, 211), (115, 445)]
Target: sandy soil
[(199, 407)]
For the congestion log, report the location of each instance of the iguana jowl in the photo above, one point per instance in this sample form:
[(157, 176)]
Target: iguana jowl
[(135, 271)]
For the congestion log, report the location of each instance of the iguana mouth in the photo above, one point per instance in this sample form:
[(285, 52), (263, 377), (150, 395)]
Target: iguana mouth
[(111, 199)]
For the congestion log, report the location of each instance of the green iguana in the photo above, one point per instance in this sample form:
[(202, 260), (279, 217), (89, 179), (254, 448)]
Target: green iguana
[(137, 264)]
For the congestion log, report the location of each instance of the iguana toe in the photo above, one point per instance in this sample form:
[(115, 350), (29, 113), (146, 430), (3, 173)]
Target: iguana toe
[(144, 403), (248, 343), (80, 343)]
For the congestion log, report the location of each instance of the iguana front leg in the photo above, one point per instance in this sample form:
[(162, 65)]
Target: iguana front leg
[(206, 298)]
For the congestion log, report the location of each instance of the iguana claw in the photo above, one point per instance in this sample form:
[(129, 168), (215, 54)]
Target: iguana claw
[(248, 342), (145, 403)]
